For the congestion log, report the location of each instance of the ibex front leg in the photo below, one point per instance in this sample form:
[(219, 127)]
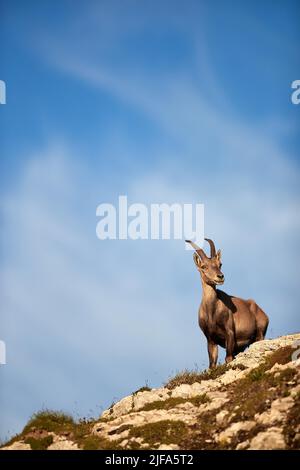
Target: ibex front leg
[(230, 340), (212, 353)]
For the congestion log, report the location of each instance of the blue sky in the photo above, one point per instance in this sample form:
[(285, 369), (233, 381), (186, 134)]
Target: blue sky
[(165, 102)]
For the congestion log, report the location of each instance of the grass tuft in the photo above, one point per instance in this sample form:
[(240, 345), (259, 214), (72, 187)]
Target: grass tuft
[(48, 420), (172, 402), (189, 377), (39, 444), (142, 389), (166, 432)]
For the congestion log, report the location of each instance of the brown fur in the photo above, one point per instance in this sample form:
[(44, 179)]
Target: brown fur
[(226, 321)]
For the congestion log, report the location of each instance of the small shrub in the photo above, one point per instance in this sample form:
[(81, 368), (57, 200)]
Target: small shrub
[(200, 399), (91, 443), (48, 420), (39, 444), (256, 374), (164, 404), (96, 443)]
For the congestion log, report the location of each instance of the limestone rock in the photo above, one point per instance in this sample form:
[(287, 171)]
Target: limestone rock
[(168, 447), (183, 391), (141, 399), (272, 439), (231, 376), (18, 445), (295, 391), (227, 435), (121, 408), (282, 404), (277, 413), (220, 417), (62, 443), (258, 351), (243, 445), (217, 399)]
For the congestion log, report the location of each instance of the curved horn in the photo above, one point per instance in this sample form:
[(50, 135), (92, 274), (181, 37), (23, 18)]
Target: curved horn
[(198, 250), (212, 247)]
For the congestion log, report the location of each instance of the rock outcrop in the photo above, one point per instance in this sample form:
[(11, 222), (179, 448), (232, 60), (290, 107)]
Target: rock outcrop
[(251, 403)]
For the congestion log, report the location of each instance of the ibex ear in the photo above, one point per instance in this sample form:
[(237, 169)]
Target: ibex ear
[(218, 255), (197, 260)]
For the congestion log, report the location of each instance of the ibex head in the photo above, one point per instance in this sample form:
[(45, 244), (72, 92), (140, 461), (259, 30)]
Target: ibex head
[(209, 268)]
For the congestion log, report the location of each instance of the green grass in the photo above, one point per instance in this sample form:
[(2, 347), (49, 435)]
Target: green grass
[(61, 424), (96, 443), (162, 432), (256, 374), (172, 402), (163, 404), (51, 421), (200, 399), (39, 444)]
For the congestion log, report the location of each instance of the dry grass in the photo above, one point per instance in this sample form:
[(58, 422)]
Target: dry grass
[(166, 432), (172, 402), (191, 376)]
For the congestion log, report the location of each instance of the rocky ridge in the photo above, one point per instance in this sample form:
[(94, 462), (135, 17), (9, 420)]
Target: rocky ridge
[(252, 403)]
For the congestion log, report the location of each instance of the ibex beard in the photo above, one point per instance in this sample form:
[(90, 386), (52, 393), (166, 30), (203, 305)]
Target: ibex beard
[(226, 321)]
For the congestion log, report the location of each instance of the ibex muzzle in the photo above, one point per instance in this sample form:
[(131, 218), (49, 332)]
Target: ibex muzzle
[(226, 321)]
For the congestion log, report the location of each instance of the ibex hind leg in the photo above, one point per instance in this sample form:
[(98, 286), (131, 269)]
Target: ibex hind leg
[(262, 322), (212, 353), (261, 333), (259, 336)]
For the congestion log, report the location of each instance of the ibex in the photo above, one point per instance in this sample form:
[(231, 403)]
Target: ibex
[(225, 320)]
